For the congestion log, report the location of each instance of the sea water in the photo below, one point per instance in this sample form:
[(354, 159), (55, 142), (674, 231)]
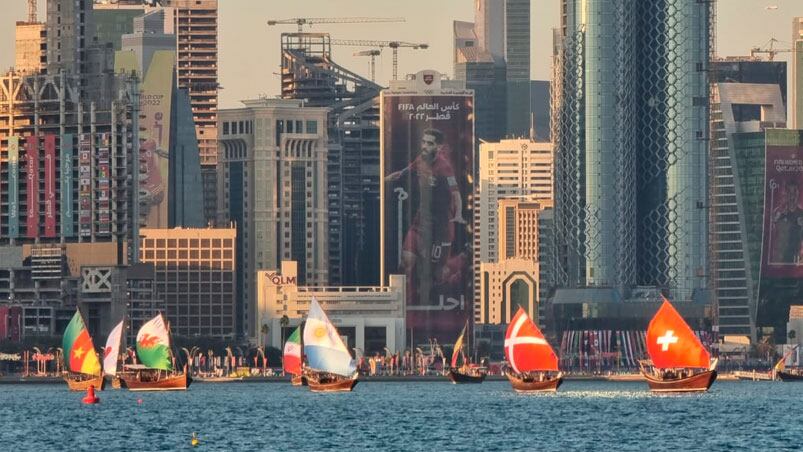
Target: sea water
[(405, 416)]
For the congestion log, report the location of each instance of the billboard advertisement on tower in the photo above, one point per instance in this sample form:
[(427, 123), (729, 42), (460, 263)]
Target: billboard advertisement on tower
[(427, 130), (782, 255)]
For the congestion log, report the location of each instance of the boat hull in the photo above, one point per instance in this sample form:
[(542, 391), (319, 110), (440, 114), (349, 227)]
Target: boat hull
[(457, 377), (175, 382), (521, 384), (699, 382), (298, 380), (80, 382), (319, 383), (786, 376)]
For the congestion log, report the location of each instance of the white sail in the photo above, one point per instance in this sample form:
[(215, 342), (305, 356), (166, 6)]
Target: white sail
[(323, 347), (112, 350)]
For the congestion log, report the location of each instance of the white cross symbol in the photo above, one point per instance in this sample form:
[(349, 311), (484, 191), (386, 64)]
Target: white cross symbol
[(666, 339)]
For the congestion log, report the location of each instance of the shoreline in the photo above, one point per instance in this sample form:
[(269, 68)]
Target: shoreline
[(616, 378)]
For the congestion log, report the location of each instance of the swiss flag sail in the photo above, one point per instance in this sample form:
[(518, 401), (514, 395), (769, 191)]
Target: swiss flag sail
[(671, 343), (526, 349)]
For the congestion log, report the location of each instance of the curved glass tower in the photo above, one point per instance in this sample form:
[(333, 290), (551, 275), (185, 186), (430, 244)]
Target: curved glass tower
[(631, 143)]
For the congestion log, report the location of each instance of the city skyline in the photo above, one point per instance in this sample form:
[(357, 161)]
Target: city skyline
[(741, 25)]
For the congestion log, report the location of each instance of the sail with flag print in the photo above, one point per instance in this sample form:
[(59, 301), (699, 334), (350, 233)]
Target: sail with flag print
[(466, 373), (80, 358), (156, 373), (112, 350), (330, 367), (533, 365), (291, 358), (678, 360)]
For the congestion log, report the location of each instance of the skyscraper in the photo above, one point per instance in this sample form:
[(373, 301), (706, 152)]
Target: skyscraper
[(196, 31), (797, 73), (492, 54), (274, 188), (631, 123)]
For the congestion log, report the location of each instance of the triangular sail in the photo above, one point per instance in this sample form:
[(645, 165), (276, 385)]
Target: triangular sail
[(79, 351), (112, 350), (781, 364), (323, 347), (458, 346), (292, 353), (153, 344), (671, 343), (526, 349)]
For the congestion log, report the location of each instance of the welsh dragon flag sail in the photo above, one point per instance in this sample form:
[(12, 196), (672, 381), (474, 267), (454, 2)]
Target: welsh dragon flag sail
[(153, 344), (79, 351), (112, 350), (292, 353)]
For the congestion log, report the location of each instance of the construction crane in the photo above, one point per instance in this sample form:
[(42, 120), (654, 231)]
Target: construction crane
[(310, 21), (373, 54), (31, 11), (769, 49), (394, 45)]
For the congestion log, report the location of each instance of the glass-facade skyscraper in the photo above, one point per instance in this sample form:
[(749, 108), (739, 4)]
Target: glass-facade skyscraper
[(631, 134)]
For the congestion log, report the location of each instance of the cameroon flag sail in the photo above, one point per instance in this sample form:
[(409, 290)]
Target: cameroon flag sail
[(79, 351)]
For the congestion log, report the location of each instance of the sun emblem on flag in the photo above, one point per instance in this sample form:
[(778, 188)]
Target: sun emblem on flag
[(320, 332)]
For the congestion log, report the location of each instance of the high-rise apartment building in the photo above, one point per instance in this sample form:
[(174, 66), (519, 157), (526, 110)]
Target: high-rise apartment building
[(631, 122), (796, 88), (492, 54), (273, 188), (516, 278), (196, 29), (71, 31), (739, 115), (30, 49), (309, 73), (508, 169), (195, 275)]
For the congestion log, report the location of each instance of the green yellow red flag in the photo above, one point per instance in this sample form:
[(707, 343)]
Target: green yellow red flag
[(79, 351)]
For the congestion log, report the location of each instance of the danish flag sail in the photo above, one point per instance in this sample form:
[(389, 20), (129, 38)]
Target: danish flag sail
[(526, 349), (672, 344)]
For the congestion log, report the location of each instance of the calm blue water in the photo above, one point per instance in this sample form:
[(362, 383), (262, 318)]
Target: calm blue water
[(406, 416)]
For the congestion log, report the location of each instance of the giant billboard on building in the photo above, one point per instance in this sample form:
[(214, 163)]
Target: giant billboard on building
[(427, 165), (782, 255), (154, 137)]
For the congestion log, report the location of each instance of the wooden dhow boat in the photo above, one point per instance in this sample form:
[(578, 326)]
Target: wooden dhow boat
[(788, 373), (330, 366), (678, 361), (156, 373), (533, 365), (80, 358), (466, 373), (292, 358)]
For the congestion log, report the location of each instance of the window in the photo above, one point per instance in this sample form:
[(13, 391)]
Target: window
[(312, 126), (225, 128)]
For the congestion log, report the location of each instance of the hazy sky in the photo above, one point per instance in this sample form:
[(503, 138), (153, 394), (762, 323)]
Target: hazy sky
[(249, 49)]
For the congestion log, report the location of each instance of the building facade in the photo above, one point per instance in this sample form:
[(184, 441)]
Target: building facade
[(272, 163), (196, 30), (740, 111), (370, 317), (195, 276), (631, 138), (30, 49), (796, 85)]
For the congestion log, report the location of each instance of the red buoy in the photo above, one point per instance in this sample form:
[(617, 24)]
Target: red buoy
[(90, 397)]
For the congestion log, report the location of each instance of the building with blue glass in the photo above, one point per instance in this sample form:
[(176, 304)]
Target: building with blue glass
[(630, 126)]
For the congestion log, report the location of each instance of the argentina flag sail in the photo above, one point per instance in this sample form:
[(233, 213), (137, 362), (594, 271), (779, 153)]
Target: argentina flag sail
[(323, 347)]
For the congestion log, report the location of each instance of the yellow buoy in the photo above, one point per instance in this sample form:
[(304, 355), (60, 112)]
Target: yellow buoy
[(195, 441)]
